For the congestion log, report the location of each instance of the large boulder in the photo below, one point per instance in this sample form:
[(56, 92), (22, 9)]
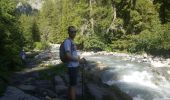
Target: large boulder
[(27, 88), (100, 93), (13, 93), (61, 89), (58, 80), (43, 84)]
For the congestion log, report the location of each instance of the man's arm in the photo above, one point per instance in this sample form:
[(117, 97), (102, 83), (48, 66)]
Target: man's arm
[(67, 47), (70, 57)]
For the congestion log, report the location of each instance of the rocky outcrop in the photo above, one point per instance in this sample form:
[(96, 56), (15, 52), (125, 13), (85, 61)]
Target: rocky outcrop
[(13, 93), (30, 83)]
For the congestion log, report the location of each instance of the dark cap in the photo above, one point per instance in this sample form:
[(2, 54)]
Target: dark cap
[(71, 30)]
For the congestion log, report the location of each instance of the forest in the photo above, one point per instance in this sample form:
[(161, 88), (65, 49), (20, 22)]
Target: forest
[(132, 26)]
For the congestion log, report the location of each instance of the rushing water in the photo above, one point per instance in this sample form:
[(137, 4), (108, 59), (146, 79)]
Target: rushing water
[(139, 80)]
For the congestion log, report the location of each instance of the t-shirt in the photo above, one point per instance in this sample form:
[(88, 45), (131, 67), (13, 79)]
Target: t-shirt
[(69, 46)]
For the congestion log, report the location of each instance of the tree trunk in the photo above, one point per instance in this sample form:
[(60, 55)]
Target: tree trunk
[(91, 18), (114, 16), (133, 4)]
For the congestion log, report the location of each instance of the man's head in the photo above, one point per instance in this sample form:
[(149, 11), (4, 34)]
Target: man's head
[(72, 32)]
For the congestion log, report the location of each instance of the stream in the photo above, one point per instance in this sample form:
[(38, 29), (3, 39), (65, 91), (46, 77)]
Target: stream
[(138, 79)]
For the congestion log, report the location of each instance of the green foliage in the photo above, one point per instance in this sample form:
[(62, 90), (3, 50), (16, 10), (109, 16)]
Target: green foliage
[(126, 25), (120, 45), (38, 46), (154, 43), (26, 23), (11, 39), (94, 43), (134, 18), (35, 32)]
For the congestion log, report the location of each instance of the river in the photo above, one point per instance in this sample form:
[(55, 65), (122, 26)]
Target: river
[(142, 80), (138, 79)]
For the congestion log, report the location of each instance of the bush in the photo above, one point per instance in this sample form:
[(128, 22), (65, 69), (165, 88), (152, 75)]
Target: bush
[(94, 43), (38, 45), (154, 43)]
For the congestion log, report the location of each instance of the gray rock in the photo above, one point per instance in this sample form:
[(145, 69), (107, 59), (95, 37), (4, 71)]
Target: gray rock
[(66, 78), (145, 55), (100, 93), (46, 92), (79, 90), (61, 89), (35, 75), (29, 88), (58, 80), (13, 93), (95, 91), (43, 84), (144, 60)]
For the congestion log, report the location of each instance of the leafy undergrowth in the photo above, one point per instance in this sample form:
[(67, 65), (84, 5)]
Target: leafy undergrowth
[(4, 80)]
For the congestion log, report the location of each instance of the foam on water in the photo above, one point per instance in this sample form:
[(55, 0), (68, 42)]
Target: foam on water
[(139, 80), (142, 78)]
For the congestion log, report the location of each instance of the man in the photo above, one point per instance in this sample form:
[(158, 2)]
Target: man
[(73, 61), (22, 55)]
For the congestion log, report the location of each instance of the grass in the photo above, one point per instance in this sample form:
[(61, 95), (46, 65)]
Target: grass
[(52, 71)]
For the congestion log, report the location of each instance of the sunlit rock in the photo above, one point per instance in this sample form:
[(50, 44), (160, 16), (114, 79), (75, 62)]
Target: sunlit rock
[(87, 53), (100, 65), (145, 55), (158, 64)]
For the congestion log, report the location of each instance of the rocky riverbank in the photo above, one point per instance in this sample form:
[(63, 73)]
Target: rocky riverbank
[(144, 58), (45, 78)]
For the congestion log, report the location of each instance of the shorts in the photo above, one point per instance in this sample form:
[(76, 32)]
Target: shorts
[(72, 72)]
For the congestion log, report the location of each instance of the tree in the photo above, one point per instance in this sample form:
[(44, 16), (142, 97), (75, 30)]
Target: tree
[(35, 32), (11, 39)]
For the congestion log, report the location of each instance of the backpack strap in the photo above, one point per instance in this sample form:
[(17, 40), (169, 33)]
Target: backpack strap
[(72, 45)]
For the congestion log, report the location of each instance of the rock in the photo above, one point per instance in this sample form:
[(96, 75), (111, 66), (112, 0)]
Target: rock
[(95, 91), (35, 75), (43, 84), (47, 98), (100, 66), (58, 80), (46, 92), (87, 53), (144, 60), (13, 93), (56, 99), (100, 93), (157, 64), (61, 89), (54, 62), (28, 88), (66, 78), (79, 90), (145, 55), (132, 59)]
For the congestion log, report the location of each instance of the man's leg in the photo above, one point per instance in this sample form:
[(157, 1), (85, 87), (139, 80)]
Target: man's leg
[(72, 84), (72, 93)]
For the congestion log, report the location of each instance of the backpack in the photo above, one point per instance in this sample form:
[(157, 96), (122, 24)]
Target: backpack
[(62, 52)]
